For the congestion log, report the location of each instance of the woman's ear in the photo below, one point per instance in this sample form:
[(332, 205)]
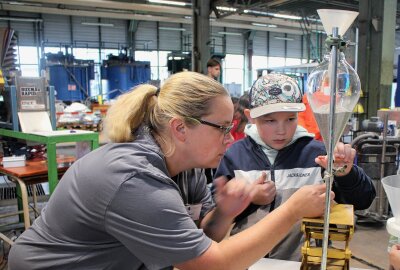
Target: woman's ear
[(178, 129), (247, 113)]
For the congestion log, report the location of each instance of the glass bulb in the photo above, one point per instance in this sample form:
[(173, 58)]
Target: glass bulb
[(348, 89)]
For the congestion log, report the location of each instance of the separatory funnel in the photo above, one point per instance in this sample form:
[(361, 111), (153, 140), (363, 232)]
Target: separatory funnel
[(348, 89), (333, 91)]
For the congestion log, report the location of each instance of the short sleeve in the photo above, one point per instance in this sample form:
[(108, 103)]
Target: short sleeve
[(148, 217)]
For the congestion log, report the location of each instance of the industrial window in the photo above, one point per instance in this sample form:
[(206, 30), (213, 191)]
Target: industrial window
[(87, 54), (28, 61), (233, 77), (158, 63), (149, 56), (163, 65), (105, 52), (292, 61), (54, 50), (258, 62), (276, 61), (264, 62)]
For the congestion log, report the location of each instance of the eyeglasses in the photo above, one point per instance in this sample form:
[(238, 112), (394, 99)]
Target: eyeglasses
[(225, 130)]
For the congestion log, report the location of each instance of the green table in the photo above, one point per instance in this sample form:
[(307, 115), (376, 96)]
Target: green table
[(51, 138)]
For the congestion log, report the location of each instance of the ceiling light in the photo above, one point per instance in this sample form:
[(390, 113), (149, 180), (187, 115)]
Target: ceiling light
[(188, 17), (264, 25), (258, 12), (168, 2), (276, 15), (284, 16), (175, 58), (226, 8), (19, 19), (284, 38), (171, 28), (98, 24), (15, 3), (230, 33)]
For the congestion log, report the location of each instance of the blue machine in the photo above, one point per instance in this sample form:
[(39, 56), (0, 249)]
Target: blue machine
[(123, 73), (397, 94), (70, 77)]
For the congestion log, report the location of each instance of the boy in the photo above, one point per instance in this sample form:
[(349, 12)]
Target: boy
[(275, 144)]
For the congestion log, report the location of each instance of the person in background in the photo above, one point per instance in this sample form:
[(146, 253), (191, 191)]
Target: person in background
[(276, 145), (307, 120), (239, 118), (394, 257), (213, 68), (118, 208)]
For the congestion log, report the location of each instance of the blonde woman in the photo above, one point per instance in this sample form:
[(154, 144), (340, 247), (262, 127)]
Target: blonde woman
[(118, 208)]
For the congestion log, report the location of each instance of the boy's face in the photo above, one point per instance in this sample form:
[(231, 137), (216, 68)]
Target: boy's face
[(276, 129)]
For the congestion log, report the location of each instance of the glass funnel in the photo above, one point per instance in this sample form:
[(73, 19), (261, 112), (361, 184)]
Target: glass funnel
[(347, 94)]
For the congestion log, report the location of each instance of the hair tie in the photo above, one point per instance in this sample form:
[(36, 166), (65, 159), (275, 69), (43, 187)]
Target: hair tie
[(157, 91)]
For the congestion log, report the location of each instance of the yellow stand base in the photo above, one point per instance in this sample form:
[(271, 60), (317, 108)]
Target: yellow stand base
[(341, 229)]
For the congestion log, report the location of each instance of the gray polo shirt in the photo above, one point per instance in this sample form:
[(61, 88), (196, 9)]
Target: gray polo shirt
[(115, 208)]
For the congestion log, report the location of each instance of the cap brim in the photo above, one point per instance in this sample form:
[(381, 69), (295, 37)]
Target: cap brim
[(278, 107)]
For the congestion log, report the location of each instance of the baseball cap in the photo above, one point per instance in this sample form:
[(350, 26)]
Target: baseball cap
[(275, 93)]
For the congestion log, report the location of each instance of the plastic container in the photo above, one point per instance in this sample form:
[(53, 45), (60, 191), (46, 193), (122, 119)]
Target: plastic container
[(391, 184), (394, 232), (13, 161)]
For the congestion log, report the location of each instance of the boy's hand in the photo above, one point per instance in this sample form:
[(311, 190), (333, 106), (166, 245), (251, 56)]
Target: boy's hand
[(265, 190), (344, 156)]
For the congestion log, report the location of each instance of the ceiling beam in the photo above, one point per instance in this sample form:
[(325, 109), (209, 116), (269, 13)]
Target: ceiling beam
[(117, 5), (270, 20), (284, 26), (99, 14)]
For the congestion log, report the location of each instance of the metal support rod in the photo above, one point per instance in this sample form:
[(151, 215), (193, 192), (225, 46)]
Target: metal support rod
[(329, 179), (380, 203)]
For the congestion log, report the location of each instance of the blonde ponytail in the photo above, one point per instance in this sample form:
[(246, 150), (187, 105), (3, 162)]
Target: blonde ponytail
[(128, 112)]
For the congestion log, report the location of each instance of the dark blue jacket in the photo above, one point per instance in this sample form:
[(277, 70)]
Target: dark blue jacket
[(294, 167)]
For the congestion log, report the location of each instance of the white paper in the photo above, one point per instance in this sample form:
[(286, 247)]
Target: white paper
[(34, 121), (251, 176)]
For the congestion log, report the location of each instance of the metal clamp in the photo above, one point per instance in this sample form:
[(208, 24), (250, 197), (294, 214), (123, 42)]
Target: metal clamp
[(335, 41)]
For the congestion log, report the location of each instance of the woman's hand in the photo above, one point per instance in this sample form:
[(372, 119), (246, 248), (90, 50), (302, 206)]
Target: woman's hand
[(233, 196), (308, 201), (394, 257)]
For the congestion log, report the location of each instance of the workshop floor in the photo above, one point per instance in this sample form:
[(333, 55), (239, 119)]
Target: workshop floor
[(369, 247)]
